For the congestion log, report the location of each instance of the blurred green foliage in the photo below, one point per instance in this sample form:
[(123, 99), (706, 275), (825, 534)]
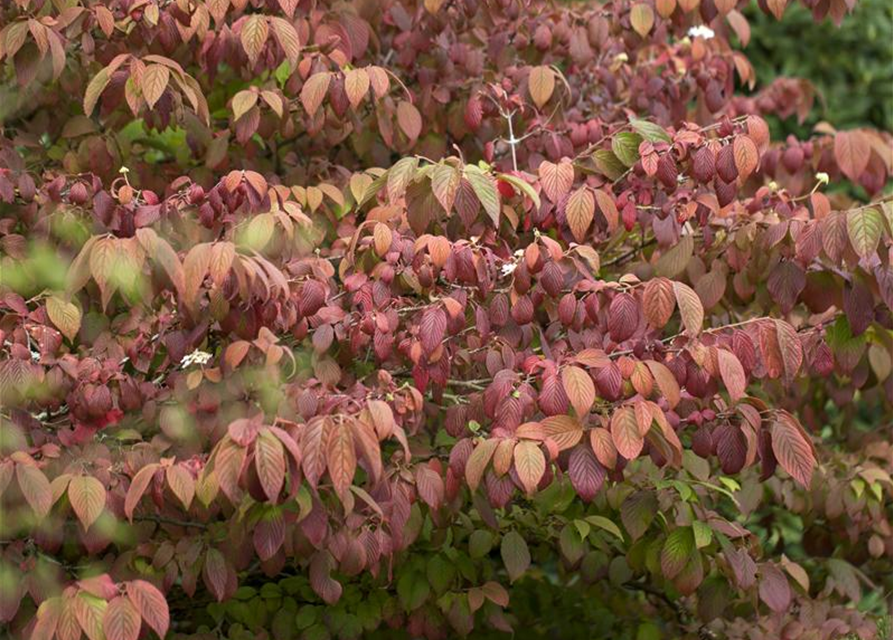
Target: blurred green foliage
[(851, 66)]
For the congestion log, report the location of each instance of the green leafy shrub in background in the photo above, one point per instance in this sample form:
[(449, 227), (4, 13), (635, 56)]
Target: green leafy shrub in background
[(851, 66)]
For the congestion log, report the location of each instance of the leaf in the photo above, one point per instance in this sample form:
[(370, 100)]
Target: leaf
[(747, 156), (586, 473), (255, 32), (792, 450), (579, 388), (556, 179), (215, 574), (356, 86), (777, 7), (94, 90), (399, 177), (541, 84), (87, 496), (496, 593), (65, 315), (658, 302), (243, 102), (269, 458), (287, 36), (195, 268), (314, 91), (530, 463), (641, 17), (36, 489), (733, 376), (445, 181), (650, 131), (852, 150), (154, 83), (138, 487), (579, 212), (151, 605), (565, 431), (478, 461), (341, 458), (90, 612), (774, 588), (485, 189), (515, 555), (625, 146), (181, 483), (625, 433), (432, 328), (321, 580), (865, 227), (121, 620), (409, 119), (677, 550), (790, 348), (673, 262), (690, 308)]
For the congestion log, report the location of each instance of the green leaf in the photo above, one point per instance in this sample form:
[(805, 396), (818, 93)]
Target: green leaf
[(865, 226), (676, 552), (485, 189), (637, 513), (608, 164), (650, 131), (413, 590), (604, 523), (479, 543), (625, 146), (515, 555), (703, 534)]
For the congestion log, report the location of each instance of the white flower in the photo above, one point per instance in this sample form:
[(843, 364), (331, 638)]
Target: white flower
[(196, 357), (508, 268), (822, 177), (701, 31)]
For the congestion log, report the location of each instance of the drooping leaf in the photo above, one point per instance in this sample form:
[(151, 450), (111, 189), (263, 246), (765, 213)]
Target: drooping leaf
[(87, 496), (65, 315), (122, 621), (269, 457), (151, 605), (792, 450), (515, 555), (530, 463), (579, 388), (541, 84)]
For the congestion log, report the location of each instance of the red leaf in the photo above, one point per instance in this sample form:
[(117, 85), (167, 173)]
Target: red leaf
[(269, 459), (87, 497), (565, 430), (625, 433), (579, 388), (586, 473), (35, 487), (774, 588), (341, 459), (215, 573), (733, 376), (530, 463), (792, 449), (122, 620), (321, 580), (151, 605), (137, 488)]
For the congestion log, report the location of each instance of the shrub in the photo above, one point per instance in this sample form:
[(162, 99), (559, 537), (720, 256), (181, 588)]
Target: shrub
[(442, 317)]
